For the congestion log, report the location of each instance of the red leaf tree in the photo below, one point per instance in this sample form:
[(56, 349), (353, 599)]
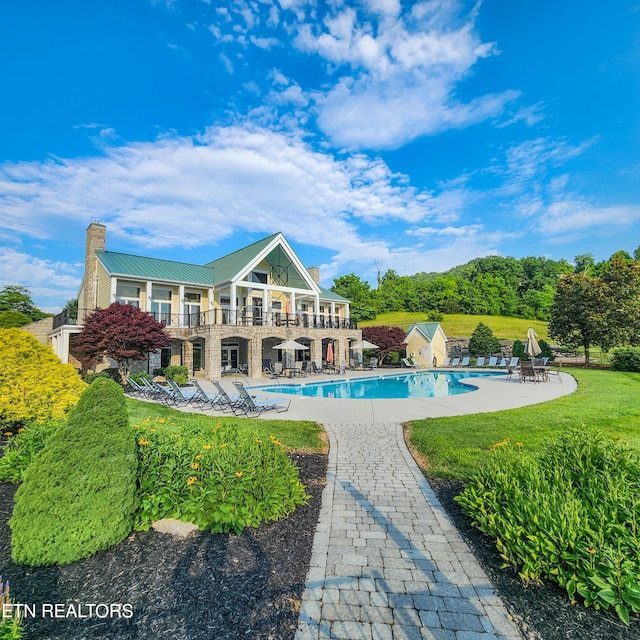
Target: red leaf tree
[(387, 338), (121, 332)]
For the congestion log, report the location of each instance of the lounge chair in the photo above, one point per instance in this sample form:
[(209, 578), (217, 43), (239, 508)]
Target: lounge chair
[(417, 365), (137, 390), (201, 398), (493, 360), (446, 362), (465, 361), (407, 363), (162, 394), (514, 362), (373, 363), (342, 369), (225, 402), (182, 395), (480, 361), (250, 406), (503, 363), (455, 362)]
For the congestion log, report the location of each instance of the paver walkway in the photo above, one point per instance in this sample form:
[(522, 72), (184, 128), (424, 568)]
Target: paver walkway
[(387, 563)]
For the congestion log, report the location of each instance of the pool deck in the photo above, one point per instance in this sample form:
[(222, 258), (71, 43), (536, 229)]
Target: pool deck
[(387, 563), (493, 394)]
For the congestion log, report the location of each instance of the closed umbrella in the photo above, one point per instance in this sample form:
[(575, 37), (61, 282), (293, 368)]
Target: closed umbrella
[(330, 352), (532, 348)]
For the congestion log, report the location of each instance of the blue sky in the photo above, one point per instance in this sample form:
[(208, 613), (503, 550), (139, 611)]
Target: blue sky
[(418, 135)]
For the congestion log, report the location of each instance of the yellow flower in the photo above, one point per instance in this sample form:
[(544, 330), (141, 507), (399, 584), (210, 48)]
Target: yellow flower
[(191, 480), (152, 430), (258, 440), (143, 442), (195, 465), (276, 442), (239, 474), (224, 444), (21, 429), (199, 456), (518, 444), (206, 446), (8, 433), (161, 421), (592, 551)]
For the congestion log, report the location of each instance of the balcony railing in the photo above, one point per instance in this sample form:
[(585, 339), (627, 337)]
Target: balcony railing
[(247, 318), (64, 317)]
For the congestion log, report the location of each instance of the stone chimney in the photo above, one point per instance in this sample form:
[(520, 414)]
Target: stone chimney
[(314, 272), (96, 241)]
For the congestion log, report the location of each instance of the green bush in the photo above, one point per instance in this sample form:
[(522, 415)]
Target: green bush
[(112, 373), (78, 496), (139, 377), (177, 373), (625, 358), (22, 447), (392, 358), (218, 479), (570, 515)]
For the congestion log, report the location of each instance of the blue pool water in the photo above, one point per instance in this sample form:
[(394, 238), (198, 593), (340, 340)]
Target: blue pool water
[(417, 384)]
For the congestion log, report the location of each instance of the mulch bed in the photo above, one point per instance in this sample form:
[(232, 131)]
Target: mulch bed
[(222, 587), (542, 612), (227, 587)]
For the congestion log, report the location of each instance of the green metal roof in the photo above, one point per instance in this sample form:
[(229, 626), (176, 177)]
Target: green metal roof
[(327, 294), (427, 329), (124, 264), (227, 267)]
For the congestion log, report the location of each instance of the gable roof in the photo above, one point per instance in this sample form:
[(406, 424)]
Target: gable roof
[(124, 264), (227, 267), (427, 329)]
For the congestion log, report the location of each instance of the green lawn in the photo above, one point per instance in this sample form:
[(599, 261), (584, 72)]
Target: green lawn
[(300, 436), (608, 400), (463, 325)]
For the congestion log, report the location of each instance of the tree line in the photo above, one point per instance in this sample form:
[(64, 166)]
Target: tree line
[(494, 285)]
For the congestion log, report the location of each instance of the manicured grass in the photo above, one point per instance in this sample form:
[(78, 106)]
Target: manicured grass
[(296, 435), (463, 325), (455, 447)]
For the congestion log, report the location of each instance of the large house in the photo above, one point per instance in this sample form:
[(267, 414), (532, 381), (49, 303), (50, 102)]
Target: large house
[(230, 312)]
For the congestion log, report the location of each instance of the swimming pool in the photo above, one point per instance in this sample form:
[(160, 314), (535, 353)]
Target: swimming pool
[(417, 384)]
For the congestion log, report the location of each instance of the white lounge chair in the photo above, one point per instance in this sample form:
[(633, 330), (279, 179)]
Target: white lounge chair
[(248, 405)]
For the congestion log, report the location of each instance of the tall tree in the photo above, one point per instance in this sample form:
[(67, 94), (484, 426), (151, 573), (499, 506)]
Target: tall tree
[(363, 306), (17, 298), (483, 341), (622, 283), (578, 313), (121, 332)]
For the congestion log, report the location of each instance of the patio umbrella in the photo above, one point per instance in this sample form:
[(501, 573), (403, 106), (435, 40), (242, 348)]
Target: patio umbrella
[(532, 348), (290, 345), (365, 344), (330, 352)]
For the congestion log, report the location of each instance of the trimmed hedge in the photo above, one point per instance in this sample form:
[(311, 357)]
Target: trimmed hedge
[(78, 495)]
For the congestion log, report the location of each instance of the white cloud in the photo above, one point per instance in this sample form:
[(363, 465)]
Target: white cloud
[(181, 191), (47, 281)]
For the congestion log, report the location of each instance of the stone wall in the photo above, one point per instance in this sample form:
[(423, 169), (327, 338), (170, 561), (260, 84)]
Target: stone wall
[(459, 346), (41, 329)]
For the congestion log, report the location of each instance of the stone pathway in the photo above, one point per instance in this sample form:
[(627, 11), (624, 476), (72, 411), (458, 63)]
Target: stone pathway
[(387, 563)]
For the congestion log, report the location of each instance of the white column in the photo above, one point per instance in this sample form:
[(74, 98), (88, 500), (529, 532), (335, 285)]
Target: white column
[(114, 284), (149, 294), (181, 305), (232, 304)]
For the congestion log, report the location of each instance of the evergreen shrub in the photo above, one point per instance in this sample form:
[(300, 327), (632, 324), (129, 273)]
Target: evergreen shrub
[(35, 384), (625, 358), (78, 496)]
